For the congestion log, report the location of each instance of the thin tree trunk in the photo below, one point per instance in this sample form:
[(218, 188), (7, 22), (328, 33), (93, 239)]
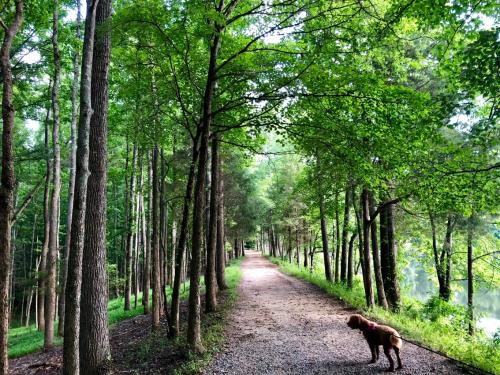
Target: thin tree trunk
[(367, 275), (46, 230), (71, 360), (210, 270), (181, 246), (447, 250), (156, 243), (381, 298), (72, 169), (147, 261), (345, 228), (337, 243), (324, 239), (389, 258), (95, 353), (130, 232), (470, 274), (50, 299), (221, 251), (350, 261)]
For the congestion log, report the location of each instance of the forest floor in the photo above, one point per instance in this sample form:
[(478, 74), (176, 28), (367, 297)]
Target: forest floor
[(282, 325)]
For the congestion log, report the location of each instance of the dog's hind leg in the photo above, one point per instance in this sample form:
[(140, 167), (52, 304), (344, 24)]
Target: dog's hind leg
[(396, 350), (387, 352), (377, 350), (374, 349)]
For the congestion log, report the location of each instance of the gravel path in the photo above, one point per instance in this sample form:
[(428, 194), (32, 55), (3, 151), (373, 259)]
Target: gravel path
[(282, 325)]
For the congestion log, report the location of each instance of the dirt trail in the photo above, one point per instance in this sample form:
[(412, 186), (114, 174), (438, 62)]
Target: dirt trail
[(282, 325)]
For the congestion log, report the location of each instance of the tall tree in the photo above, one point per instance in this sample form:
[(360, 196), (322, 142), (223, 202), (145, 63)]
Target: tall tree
[(210, 273), (8, 177), (72, 168), (71, 359), (155, 242), (52, 256), (95, 353)]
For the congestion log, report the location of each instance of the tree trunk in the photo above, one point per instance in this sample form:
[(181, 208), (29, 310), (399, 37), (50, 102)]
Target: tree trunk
[(324, 239), (155, 246), (345, 227), (381, 298), (50, 299), (470, 274), (72, 169), (367, 275), (210, 270), (163, 235), (445, 293), (8, 181), (221, 251), (42, 279), (337, 243), (388, 255), (194, 329), (437, 262), (95, 351), (181, 245), (71, 361), (350, 261), (130, 232), (147, 258)]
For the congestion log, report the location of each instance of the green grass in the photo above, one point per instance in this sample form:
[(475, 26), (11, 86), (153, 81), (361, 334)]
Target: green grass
[(478, 351), (26, 340)]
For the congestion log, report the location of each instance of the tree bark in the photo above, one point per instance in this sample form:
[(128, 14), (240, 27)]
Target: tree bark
[(381, 298), (367, 275), (50, 298), (388, 257), (181, 246), (8, 179), (42, 279), (155, 246), (95, 351), (194, 329), (324, 239), (130, 232), (470, 274), (221, 251), (71, 360), (345, 227), (147, 258), (337, 243), (210, 270), (72, 168)]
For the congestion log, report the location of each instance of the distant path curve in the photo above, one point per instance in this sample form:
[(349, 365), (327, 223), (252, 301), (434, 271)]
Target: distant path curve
[(282, 325)]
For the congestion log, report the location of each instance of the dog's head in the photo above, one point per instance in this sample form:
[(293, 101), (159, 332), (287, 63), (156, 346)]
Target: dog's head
[(355, 321)]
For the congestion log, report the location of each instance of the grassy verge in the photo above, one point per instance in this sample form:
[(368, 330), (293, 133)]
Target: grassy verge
[(26, 340), (441, 335)]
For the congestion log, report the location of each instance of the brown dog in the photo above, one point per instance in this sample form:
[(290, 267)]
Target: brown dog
[(377, 335)]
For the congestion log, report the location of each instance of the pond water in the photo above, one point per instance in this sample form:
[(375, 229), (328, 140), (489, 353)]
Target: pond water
[(420, 284)]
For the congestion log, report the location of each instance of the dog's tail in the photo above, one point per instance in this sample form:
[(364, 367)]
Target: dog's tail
[(396, 340)]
